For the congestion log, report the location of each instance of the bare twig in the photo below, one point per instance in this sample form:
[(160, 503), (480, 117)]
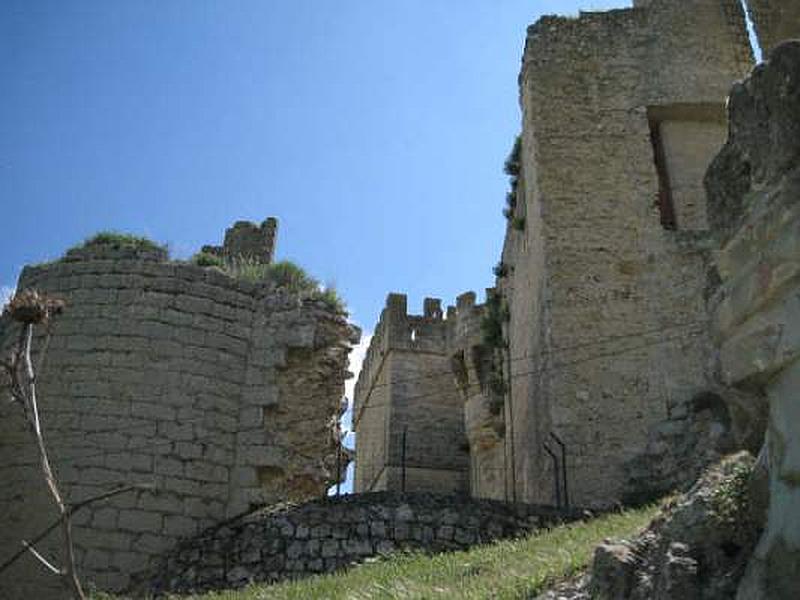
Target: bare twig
[(45, 347), (30, 308), (53, 569), (70, 572)]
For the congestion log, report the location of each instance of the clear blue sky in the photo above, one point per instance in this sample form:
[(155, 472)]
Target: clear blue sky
[(374, 130)]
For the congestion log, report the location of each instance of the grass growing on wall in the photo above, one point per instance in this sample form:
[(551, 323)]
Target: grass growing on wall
[(120, 240), (504, 570), (288, 275), (207, 259)]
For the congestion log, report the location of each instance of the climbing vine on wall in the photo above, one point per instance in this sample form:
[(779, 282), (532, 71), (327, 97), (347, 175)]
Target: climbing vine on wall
[(513, 168), (496, 315)]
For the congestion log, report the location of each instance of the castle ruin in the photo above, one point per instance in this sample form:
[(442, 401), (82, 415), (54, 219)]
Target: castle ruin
[(221, 392), (627, 322), (590, 381)]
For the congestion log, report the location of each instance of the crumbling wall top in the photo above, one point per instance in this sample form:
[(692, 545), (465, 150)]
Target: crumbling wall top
[(660, 51), (248, 241)]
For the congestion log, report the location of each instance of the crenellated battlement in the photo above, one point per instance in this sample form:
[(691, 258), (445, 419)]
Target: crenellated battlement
[(434, 331)]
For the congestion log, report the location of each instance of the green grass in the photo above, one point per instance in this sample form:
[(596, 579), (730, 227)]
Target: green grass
[(288, 275), (119, 240), (504, 570), (207, 259)]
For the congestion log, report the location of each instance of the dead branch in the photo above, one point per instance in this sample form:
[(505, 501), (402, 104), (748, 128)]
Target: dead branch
[(31, 308), (48, 565)]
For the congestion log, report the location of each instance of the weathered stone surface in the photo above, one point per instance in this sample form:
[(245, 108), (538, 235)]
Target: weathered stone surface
[(272, 544), (221, 393), (701, 546), (756, 306), (613, 570), (246, 241), (764, 140), (697, 549)]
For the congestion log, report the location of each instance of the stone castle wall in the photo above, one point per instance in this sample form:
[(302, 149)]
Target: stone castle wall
[(605, 257), (622, 110), (291, 542), (426, 379), (406, 393), (218, 391)]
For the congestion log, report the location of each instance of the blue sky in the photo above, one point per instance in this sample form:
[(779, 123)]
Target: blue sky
[(374, 130)]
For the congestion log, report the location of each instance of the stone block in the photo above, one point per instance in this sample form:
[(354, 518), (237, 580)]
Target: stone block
[(169, 466), (180, 526), (202, 471), (140, 521), (97, 560), (330, 548), (377, 529), (129, 562), (150, 544), (295, 550), (104, 518)]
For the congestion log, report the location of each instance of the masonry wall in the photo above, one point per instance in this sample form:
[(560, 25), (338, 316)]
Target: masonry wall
[(291, 542), (170, 374), (608, 318), (485, 411), (407, 408), (371, 404)]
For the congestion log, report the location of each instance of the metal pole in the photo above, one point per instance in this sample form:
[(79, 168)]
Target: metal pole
[(563, 466), (339, 467), (555, 473), (403, 461)]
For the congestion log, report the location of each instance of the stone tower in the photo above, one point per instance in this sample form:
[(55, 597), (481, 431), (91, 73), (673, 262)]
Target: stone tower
[(219, 391), (407, 410)]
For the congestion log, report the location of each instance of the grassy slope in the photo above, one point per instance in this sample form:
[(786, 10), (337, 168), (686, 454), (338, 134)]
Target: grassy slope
[(509, 569)]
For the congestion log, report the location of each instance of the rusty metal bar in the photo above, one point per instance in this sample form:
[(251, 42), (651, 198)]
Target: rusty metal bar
[(563, 447), (403, 461), (557, 487)]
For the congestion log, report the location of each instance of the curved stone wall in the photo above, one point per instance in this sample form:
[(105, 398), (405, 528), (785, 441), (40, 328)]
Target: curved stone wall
[(219, 392), (291, 542)]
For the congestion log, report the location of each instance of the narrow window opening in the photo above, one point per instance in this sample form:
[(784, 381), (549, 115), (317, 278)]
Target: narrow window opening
[(665, 204)]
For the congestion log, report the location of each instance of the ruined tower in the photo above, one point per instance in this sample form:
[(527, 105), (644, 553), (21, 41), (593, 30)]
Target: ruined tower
[(604, 265), (222, 392)]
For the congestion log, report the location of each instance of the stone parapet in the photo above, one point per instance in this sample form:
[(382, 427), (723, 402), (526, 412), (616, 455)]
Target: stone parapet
[(291, 542)]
